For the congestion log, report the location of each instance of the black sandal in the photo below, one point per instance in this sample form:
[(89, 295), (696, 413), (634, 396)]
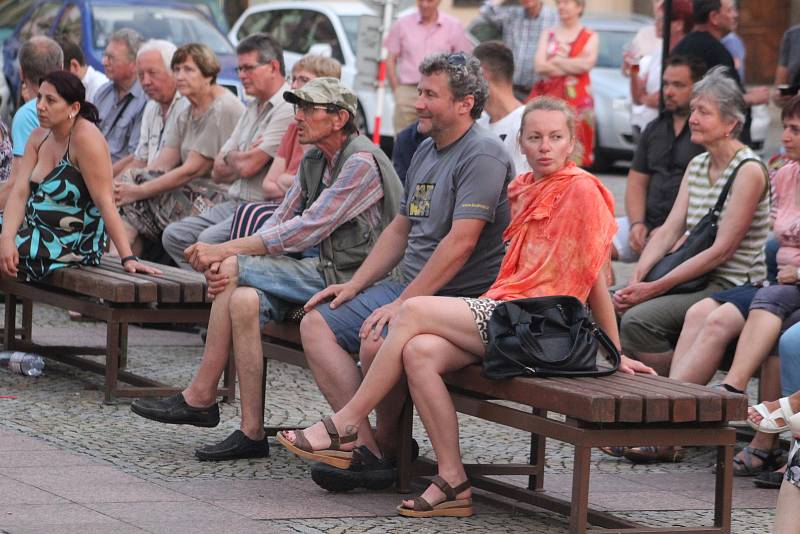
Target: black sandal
[(770, 461), (450, 507)]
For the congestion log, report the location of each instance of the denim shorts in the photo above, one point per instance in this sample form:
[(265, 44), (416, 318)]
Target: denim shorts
[(282, 283), (346, 320)]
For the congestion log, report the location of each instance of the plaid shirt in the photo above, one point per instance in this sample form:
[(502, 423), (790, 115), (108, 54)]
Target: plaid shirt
[(521, 34), (357, 189)]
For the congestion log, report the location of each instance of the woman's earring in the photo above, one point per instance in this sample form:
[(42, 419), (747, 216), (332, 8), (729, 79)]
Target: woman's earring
[(71, 116)]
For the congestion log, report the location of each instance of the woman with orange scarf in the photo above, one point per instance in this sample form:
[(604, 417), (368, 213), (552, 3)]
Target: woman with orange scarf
[(558, 241)]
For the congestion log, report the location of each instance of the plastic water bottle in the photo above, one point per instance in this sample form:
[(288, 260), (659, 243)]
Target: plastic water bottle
[(23, 363)]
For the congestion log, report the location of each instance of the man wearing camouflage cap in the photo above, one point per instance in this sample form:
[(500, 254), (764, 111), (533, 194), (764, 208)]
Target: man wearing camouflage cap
[(345, 193)]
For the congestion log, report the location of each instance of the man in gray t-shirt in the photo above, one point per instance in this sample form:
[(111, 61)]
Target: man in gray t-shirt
[(446, 240)]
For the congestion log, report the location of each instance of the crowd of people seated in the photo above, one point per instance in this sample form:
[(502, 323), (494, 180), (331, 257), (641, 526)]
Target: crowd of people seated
[(282, 203)]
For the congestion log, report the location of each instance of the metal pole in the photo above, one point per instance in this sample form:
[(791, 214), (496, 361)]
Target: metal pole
[(388, 9), (665, 48)]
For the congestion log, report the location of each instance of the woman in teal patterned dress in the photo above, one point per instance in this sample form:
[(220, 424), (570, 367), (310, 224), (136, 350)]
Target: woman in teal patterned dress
[(59, 216)]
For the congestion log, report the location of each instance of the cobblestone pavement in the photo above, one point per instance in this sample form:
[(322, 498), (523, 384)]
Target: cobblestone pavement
[(64, 409)]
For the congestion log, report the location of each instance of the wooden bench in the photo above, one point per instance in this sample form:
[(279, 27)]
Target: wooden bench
[(618, 410), (110, 294)]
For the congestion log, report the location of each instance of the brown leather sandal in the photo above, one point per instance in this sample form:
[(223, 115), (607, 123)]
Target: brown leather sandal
[(450, 507), (331, 456)]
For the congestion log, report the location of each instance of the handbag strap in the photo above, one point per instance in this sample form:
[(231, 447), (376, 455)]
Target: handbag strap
[(723, 195)]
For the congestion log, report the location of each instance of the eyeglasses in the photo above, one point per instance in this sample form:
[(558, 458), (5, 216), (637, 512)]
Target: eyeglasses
[(308, 107), (457, 60), (247, 69)]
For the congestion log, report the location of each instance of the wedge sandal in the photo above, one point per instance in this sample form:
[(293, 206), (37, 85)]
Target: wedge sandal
[(450, 507), (769, 422), (331, 456)]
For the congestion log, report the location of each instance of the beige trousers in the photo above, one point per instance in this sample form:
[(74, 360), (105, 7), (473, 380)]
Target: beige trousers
[(404, 112)]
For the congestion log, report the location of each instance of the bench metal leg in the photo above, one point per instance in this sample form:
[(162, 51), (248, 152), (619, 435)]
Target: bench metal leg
[(538, 444), (27, 320), (580, 491), (123, 346), (112, 359), (405, 449), (10, 326), (723, 493)]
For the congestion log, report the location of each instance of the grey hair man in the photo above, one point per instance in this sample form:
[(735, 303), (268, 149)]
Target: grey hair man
[(121, 101), (153, 68), (38, 56), (246, 157), (446, 240), (345, 193)]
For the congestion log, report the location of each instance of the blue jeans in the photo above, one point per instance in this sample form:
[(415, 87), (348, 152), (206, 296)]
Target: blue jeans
[(282, 283), (789, 351)]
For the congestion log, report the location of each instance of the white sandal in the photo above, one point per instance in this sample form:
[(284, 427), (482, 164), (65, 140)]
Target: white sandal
[(768, 424), (794, 424)]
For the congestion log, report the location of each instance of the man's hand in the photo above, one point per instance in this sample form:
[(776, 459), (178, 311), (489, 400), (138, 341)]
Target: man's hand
[(217, 281), (787, 274), (634, 294), (631, 366), (378, 319), (637, 237), (126, 193), (202, 255), (337, 293)]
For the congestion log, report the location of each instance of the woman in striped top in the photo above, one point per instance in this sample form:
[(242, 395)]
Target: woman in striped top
[(653, 317)]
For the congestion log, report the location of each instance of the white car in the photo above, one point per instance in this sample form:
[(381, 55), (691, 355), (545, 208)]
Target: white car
[(331, 28)]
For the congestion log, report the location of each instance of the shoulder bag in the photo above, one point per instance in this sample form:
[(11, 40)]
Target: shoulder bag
[(699, 239), (545, 336)]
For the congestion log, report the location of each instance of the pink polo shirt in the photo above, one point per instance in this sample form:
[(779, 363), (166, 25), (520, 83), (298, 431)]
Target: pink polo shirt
[(411, 41)]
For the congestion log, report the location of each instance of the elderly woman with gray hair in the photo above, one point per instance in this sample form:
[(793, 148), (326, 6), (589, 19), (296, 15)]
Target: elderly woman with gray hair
[(652, 311)]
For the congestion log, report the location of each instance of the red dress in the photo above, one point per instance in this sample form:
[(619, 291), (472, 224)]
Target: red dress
[(575, 89)]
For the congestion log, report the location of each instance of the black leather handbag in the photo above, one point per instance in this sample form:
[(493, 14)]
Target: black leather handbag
[(699, 239), (545, 336)]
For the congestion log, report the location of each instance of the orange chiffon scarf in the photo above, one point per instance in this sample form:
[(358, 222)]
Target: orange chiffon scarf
[(559, 236)]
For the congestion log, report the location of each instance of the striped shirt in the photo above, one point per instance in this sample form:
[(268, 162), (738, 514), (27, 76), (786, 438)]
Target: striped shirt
[(747, 263), (356, 190)]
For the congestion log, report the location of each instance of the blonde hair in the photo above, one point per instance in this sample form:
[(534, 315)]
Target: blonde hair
[(321, 66), (549, 103)]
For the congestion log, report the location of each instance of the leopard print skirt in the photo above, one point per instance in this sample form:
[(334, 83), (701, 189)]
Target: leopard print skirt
[(482, 311)]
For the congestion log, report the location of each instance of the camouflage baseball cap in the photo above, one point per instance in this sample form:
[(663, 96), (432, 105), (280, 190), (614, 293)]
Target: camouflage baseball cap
[(324, 90)]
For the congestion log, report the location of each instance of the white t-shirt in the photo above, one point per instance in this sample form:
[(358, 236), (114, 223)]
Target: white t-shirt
[(507, 129), (650, 74), (92, 82)]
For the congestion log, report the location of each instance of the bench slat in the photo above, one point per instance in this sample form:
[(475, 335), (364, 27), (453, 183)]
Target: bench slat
[(192, 286), (168, 291), (656, 405), (144, 290), (79, 280), (547, 395), (629, 404)]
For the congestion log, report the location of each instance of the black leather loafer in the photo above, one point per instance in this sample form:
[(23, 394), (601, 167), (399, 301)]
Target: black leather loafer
[(365, 471), (174, 410), (234, 447)]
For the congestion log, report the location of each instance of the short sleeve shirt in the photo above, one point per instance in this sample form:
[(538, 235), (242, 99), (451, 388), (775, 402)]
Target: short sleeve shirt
[(154, 126), (664, 157), (708, 48), (267, 121), (207, 133), (507, 130), (465, 180), (25, 121), (790, 54), (120, 118), (411, 40), (291, 150)]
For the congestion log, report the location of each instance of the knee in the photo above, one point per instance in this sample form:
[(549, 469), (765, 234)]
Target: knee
[(243, 305), (417, 360), (410, 312), (171, 237), (312, 327), (209, 235), (723, 324), (230, 267)]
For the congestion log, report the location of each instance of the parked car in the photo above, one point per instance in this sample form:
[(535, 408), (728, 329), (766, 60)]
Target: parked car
[(91, 22), (611, 90), (327, 27)]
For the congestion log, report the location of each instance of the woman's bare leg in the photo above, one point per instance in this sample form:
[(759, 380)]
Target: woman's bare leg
[(426, 358), (708, 329), (759, 335), (446, 317)]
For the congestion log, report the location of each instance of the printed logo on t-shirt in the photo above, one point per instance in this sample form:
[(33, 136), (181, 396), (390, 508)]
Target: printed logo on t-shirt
[(420, 205)]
